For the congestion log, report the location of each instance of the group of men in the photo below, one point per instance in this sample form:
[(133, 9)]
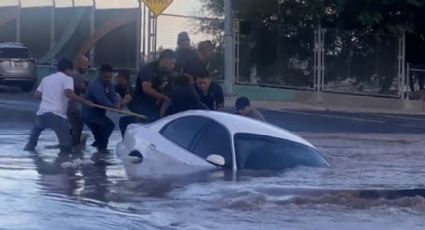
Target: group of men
[(178, 81)]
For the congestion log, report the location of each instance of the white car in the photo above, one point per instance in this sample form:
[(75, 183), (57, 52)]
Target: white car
[(201, 140)]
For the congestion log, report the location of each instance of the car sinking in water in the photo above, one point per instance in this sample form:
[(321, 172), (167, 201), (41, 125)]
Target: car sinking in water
[(201, 140)]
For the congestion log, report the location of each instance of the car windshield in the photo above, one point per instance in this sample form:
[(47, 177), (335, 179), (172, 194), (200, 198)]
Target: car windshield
[(258, 152), (20, 53)]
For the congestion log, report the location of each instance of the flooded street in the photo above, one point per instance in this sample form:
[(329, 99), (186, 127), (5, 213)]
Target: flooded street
[(376, 182)]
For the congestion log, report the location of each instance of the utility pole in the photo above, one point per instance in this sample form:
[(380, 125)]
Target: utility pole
[(18, 22), (92, 52), (52, 31), (139, 34), (229, 57)]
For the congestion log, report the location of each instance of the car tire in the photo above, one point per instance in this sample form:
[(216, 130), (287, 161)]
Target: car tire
[(27, 88)]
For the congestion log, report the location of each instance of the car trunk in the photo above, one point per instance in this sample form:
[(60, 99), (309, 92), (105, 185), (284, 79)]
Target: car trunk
[(16, 61)]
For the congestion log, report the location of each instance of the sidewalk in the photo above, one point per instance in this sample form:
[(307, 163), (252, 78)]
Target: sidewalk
[(284, 99)]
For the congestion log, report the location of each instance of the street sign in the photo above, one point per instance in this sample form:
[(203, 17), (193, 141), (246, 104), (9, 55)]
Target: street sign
[(157, 6)]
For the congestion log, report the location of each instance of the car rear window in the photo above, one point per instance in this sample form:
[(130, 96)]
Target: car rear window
[(19, 53)]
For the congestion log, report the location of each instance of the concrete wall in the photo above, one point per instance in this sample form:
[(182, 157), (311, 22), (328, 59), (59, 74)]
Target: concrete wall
[(117, 48)]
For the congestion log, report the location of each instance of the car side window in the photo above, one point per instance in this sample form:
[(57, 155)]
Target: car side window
[(183, 131), (215, 139)]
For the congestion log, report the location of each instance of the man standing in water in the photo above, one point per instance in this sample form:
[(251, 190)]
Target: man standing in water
[(81, 66), (54, 92), (101, 92)]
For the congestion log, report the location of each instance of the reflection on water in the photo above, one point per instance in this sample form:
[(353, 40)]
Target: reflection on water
[(376, 182)]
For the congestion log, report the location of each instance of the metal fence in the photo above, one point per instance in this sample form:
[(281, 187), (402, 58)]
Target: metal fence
[(306, 58), (327, 60), (361, 63), (414, 84), (285, 58)]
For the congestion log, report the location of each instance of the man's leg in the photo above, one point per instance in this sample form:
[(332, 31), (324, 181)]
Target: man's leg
[(110, 126), (63, 132), (36, 130), (106, 127), (125, 122), (77, 125), (97, 133)]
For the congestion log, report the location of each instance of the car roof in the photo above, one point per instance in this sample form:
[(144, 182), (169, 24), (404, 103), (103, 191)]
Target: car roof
[(239, 124), (12, 45)]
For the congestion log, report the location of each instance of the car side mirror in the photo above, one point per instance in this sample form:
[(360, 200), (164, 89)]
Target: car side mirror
[(216, 160)]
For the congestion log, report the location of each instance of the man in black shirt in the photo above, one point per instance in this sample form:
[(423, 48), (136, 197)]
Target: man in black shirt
[(197, 66), (126, 95), (184, 51), (183, 97), (152, 83), (122, 87), (211, 93)]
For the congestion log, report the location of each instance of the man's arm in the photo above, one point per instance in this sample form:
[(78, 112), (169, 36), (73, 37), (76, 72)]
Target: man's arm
[(147, 88), (37, 95), (82, 87), (69, 93), (68, 87), (126, 100), (164, 108), (103, 99)]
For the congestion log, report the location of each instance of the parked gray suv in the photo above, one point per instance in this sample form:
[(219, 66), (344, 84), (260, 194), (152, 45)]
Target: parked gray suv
[(17, 67)]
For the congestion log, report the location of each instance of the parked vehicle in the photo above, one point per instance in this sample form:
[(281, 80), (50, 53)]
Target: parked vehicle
[(17, 67)]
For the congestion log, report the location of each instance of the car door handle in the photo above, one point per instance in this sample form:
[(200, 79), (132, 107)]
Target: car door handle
[(152, 146)]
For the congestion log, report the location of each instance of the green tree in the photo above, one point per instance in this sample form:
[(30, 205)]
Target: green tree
[(281, 30)]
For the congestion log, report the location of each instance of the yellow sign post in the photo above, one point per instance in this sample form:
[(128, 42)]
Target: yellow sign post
[(157, 6)]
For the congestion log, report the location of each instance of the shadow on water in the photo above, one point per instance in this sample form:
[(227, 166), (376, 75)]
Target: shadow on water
[(79, 177), (72, 175)]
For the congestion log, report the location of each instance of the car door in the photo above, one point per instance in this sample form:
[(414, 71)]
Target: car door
[(215, 139), (178, 136)]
